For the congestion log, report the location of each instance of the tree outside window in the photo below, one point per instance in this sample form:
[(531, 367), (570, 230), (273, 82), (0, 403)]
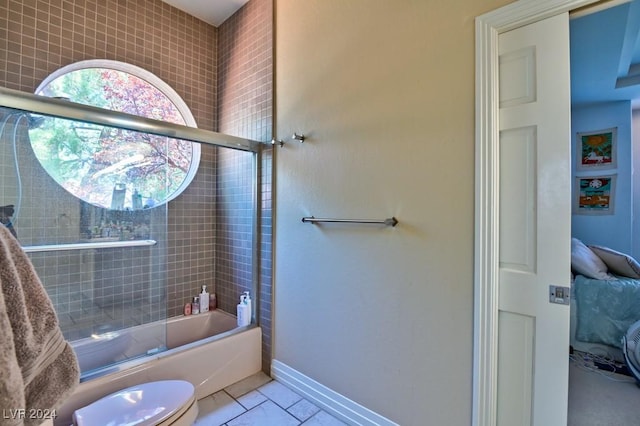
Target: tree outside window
[(109, 167)]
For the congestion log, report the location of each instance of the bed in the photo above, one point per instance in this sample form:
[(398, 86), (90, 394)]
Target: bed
[(605, 299), (601, 313)]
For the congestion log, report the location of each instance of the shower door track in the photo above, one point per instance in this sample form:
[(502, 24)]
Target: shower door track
[(60, 108)]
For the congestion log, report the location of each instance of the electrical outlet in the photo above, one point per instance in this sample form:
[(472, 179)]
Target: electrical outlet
[(560, 295)]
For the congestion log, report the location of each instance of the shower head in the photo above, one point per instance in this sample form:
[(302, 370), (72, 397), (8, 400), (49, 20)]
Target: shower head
[(35, 121)]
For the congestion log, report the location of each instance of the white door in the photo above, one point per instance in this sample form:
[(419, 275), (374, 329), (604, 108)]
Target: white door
[(534, 223)]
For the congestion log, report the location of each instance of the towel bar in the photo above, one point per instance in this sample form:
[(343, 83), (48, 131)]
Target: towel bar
[(392, 221)]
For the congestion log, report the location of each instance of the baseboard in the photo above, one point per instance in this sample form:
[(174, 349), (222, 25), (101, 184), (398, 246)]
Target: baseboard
[(339, 406)]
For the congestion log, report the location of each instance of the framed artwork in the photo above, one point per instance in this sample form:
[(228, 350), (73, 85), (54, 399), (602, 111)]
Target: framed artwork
[(597, 150), (595, 195)]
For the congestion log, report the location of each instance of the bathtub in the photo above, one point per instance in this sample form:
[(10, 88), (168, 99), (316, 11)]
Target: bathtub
[(207, 349), (102, 349)]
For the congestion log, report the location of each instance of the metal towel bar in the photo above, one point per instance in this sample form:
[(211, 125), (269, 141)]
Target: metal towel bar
[(392, 221)]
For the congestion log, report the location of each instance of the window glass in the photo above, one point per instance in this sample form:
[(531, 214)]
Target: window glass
[(109, 167)]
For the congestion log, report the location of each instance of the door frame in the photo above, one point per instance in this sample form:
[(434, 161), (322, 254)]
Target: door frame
[(486, 245)]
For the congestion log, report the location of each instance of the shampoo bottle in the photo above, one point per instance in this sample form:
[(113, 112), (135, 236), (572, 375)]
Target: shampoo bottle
[(243, 314), (247, 300), (204, 300), (195, 306), (212, 302)]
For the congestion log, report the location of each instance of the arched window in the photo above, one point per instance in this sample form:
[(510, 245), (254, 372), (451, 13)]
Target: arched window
[(109, 167)]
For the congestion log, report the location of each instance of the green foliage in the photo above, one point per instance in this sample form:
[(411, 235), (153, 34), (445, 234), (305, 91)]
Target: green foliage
[(89, 160)]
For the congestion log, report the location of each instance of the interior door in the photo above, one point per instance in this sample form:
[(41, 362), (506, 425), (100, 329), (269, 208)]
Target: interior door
[(534, 223)]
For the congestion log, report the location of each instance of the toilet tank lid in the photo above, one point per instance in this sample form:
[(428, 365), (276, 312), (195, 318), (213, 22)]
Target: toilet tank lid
[(141, 405)]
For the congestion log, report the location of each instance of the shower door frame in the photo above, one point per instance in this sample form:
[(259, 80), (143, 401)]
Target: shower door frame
[(29, 102), (42, 105)]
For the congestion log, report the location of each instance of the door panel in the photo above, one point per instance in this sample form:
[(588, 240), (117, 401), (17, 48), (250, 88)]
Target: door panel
[(515, 349), (534, 223), (518, 77), (518, 186)]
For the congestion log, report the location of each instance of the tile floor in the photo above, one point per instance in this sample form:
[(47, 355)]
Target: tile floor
[(259, 400)]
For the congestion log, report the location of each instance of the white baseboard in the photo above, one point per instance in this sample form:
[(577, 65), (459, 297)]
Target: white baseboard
[(327, 399)]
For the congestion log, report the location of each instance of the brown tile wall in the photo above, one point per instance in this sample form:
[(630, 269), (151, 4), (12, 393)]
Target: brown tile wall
[(39, 36), (245, 99)]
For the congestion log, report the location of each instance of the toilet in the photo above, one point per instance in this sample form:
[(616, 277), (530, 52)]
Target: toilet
[(161, 403)]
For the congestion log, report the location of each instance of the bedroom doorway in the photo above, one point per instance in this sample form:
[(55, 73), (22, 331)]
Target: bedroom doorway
[(487, 277), (597, 365), (520, 368)]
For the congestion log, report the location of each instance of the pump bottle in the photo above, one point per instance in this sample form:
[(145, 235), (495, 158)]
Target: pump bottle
[(204, 300), (243, 313), (247, 299)]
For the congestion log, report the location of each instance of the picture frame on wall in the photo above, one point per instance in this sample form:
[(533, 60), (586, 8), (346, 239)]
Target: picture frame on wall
[(595, 195), (597, 149)]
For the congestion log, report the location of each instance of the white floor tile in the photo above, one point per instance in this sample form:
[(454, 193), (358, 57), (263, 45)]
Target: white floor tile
[(260, 401), (280, 394), (322, 418), (247, 385), (217, 409), (303, 409), (265, 414), (251, 399)]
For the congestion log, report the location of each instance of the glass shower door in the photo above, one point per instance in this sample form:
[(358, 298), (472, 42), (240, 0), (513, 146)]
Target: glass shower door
[(103, 268)]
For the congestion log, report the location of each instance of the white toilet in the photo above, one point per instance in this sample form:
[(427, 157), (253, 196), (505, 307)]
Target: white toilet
[(161, 403)]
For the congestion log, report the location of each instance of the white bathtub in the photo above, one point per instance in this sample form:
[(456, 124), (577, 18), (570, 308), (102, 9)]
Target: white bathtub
[(102, 349), (206, 349)]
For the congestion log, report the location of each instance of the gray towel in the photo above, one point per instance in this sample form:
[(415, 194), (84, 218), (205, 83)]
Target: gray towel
[(38, 368)]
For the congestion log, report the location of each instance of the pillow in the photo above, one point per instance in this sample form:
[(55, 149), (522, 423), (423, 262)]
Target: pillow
[(618, 263), (585, 262)]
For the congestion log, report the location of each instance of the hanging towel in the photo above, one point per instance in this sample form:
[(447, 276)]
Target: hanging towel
[(38, 368)]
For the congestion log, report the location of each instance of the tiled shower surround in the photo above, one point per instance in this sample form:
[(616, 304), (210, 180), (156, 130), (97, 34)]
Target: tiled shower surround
[(245, 43), (225, 77)]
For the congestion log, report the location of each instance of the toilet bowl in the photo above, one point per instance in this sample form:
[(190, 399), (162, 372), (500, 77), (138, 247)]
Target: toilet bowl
[(161, 403)]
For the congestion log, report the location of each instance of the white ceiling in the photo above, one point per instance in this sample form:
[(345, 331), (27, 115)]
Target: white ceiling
[(605, 54), (215, 12)]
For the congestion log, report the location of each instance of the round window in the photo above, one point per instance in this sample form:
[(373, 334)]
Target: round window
[(110, 167)]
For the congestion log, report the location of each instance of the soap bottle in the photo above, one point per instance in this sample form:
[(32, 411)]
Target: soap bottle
[(247, 300), (187, 309), (243, 314), (195, 306), (204, 300)]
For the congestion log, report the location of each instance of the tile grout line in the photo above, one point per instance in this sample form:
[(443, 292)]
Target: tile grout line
[(246, 410), (266, 398)]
